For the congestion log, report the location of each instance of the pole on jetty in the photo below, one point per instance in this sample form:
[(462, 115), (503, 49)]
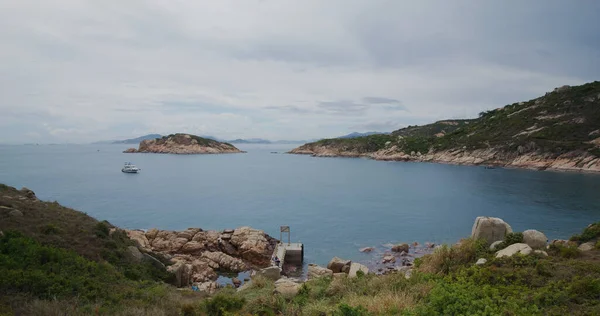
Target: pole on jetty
[(284, 229)]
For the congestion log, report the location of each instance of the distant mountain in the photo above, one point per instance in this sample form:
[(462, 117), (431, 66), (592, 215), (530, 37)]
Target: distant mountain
[(250, 141), (136, 140), (356, 134)]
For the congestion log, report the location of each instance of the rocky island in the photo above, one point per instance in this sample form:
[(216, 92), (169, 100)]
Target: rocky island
[(558, 131), (184, 144)]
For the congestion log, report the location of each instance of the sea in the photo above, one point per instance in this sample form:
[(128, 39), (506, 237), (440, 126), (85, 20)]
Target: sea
[(335, 206)]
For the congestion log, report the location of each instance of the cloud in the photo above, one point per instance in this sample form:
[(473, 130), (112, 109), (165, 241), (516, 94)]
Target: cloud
[(277, 69)]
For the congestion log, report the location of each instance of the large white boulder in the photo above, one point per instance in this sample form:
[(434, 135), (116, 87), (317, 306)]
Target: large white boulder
[(513, 249), (286, 288), (587, 246), (490, 228), (535, 239), (355, 267)]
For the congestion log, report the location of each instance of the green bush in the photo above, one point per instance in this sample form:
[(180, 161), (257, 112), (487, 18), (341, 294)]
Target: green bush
[(589, 233), (222, 303), (509, 239), (347, 310)]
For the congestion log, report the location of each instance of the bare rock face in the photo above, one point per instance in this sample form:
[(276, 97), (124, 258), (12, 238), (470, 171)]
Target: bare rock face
[(139, 237), (490, 228), (286, 288), (355, 268), (183, 144), (183, 273)]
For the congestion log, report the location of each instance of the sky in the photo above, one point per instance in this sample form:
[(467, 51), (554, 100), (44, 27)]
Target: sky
[(82, 71)]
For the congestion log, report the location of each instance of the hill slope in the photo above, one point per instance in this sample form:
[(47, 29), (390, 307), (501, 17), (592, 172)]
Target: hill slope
[(184, 144), (560, 130)]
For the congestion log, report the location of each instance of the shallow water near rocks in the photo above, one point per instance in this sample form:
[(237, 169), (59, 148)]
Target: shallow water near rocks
[(335, 206)]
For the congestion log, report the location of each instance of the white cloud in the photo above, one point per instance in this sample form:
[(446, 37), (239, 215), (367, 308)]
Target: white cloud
[(107, 69)]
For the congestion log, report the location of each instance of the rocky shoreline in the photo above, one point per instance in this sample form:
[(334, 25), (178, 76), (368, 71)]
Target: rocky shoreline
[(197, 256), (569, 162)]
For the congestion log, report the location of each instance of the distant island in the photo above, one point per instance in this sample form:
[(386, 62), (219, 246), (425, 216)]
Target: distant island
[(558, 131), (183, 144)]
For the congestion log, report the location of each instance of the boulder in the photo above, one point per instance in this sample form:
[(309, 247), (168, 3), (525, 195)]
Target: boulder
[(513, 249), (139, 237), (355, 267), (182, 272), (366, 249), (225, 261), (564, 243), (541, 253), (133, 254), (151, 234), (208, 288), (429, 245), (481, 261), (286, 288), (192, 247), (236, 282), (339, 265), (535, 239), (188, 233), (272, 273), (315, 271), (253, 245), (401, 248), (339, 275), (587, 246), (495, 244), (490, 228)]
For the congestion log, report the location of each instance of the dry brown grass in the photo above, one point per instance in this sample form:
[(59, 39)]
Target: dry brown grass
[(446, 259)]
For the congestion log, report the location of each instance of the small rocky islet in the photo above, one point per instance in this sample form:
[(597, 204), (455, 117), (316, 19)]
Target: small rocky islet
[(184, 144)]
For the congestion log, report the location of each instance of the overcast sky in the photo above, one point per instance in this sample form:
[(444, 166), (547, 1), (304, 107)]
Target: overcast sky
[(81, 71)]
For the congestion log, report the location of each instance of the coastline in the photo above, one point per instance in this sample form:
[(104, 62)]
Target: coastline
[(570, 162)]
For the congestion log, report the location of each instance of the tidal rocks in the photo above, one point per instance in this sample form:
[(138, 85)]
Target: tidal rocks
[(366, 249), (388, 258), (225, 262), (490, 228), (236, 282), (535, 239), (315, 271), (355, 267), (339, 265), (513, 249), (400, 248)]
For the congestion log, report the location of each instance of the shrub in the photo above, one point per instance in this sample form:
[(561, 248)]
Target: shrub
[(589, 233), (509, 239), (102, 229), (223, 303), (563, 251), (347, 310), (446, 259), (50, 229)]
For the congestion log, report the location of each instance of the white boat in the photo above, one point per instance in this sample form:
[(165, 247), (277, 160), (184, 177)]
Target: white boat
[(130, 168)]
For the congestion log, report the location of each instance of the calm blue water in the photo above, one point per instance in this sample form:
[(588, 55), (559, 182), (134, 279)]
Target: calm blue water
[(333, 205)]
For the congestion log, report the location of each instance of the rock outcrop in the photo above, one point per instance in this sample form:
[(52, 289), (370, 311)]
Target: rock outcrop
[(199, 254), (183, 144), (355, 268), (401, 248), (339, 265), (513, 249), (315, 271), (490, 228)]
